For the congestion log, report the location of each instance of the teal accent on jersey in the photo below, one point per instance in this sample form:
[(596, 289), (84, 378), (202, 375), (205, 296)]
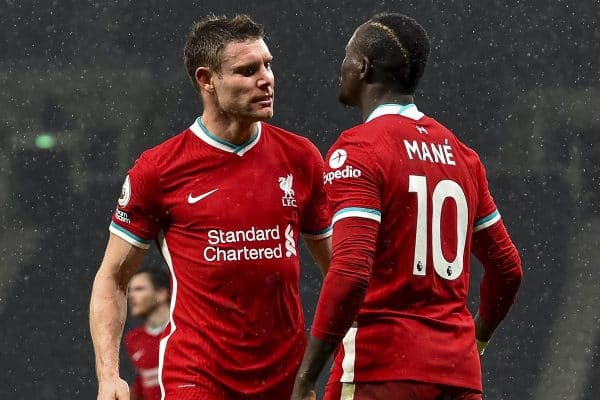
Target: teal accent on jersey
[(236, 149), (486, 219), (359, 209), (131, 235), (400, 110), (322, 234), (322, 231)]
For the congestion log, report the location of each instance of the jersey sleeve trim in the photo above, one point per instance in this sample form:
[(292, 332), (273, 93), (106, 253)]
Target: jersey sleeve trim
[(487, 221), (319, 235), (129, 237), (359, 212)]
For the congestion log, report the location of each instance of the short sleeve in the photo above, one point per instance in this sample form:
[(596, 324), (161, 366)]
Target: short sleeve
[(487, 213), (352, 181), (316, 218), (138, 213)]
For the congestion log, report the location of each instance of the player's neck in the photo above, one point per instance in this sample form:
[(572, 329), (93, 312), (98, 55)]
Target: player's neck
[(373, 97), (158, 318), (229, 130)]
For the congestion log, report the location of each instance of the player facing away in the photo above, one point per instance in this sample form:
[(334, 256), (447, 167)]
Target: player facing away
[(410, 202), (148, 299), (226, 201)]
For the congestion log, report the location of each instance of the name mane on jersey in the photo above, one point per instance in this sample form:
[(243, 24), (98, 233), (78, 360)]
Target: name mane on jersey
[(431, 152), (215, 252)]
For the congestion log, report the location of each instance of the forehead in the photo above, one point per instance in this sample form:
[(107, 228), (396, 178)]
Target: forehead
[(351, 46), (236, 53), (142, 279)]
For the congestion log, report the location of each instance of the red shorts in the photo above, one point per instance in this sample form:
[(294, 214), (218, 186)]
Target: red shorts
[(398, 390)]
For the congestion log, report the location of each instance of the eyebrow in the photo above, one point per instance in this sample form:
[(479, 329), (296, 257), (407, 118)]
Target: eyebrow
[(251, 63)]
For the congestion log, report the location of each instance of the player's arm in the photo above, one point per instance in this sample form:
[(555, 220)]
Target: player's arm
[(343, 292), (108, 310), (320, 249), (501, 279)]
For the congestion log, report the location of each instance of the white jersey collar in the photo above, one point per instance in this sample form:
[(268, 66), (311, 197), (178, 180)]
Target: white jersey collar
[(205, 135), (408, 110), (157, 330)]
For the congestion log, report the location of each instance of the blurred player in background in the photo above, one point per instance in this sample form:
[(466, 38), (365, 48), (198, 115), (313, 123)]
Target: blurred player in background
[(410, 202), (226, 200), (148, 299)]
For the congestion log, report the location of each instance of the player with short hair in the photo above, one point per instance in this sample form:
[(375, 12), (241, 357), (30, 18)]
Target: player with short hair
[(148, 299), (410, 202), (226, 200)]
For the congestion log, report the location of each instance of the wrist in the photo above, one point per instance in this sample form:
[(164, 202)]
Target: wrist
[(107, 374)]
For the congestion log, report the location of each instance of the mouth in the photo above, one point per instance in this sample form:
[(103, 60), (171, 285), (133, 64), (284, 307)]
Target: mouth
[(265, 101)]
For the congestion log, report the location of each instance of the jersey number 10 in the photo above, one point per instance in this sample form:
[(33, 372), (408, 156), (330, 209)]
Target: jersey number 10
[(447, 269)]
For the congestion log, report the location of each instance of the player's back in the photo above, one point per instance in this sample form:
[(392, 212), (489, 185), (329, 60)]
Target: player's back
[(426, 187), (429, 198)]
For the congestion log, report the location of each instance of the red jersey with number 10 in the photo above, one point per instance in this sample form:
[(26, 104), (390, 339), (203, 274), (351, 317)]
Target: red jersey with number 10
[(227, 219), (429, 193)]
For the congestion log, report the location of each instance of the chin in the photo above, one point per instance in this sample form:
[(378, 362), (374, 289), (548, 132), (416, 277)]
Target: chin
[(348, 99), (137, 313), (264, 115), (344, 99)]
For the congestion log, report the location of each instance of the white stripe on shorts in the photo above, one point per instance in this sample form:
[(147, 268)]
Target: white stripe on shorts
[(349, 343)]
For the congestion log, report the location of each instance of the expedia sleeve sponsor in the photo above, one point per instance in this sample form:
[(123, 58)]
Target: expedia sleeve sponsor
[(348, 172), (250, 244)]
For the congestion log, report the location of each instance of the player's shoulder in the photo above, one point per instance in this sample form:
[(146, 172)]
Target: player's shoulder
[(442, 130), (291, 141), (469, 154), (364, 137), (356, 135), (286, 135), (163, 152)]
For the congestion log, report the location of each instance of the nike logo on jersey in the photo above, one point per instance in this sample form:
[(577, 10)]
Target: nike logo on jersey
[(191, 199), (137, 355)]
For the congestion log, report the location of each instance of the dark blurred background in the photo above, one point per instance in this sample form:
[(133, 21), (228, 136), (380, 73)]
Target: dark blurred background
[(85, 86)]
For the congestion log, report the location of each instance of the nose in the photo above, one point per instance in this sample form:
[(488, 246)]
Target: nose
[(266, 80)]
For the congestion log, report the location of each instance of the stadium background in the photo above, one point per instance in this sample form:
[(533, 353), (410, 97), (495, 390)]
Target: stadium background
[(85, 86)]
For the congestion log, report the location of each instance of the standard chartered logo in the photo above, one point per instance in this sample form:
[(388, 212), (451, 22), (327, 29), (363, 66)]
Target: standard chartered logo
[(250, 244)]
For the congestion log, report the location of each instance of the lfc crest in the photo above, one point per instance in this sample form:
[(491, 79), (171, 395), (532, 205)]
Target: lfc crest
[(285, 184)]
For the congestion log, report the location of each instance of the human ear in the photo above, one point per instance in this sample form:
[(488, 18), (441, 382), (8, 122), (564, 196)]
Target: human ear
[(366, 68), (204, 80)]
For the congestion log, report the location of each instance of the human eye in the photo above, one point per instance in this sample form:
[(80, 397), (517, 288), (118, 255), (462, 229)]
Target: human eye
[(247, 70)]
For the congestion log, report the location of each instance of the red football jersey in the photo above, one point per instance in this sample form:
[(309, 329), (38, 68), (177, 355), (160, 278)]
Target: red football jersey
[(142, 346), (429, 193), (227, 220)]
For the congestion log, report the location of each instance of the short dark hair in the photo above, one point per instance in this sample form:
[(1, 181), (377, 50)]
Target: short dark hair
[(397, 47), (158, 276), (208, 38)]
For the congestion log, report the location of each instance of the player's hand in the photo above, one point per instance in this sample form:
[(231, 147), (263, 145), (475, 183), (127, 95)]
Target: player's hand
[(116, 389), (302, 391), (310, 395)]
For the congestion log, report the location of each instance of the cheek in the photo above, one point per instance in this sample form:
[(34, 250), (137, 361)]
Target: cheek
[(230, 95)]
